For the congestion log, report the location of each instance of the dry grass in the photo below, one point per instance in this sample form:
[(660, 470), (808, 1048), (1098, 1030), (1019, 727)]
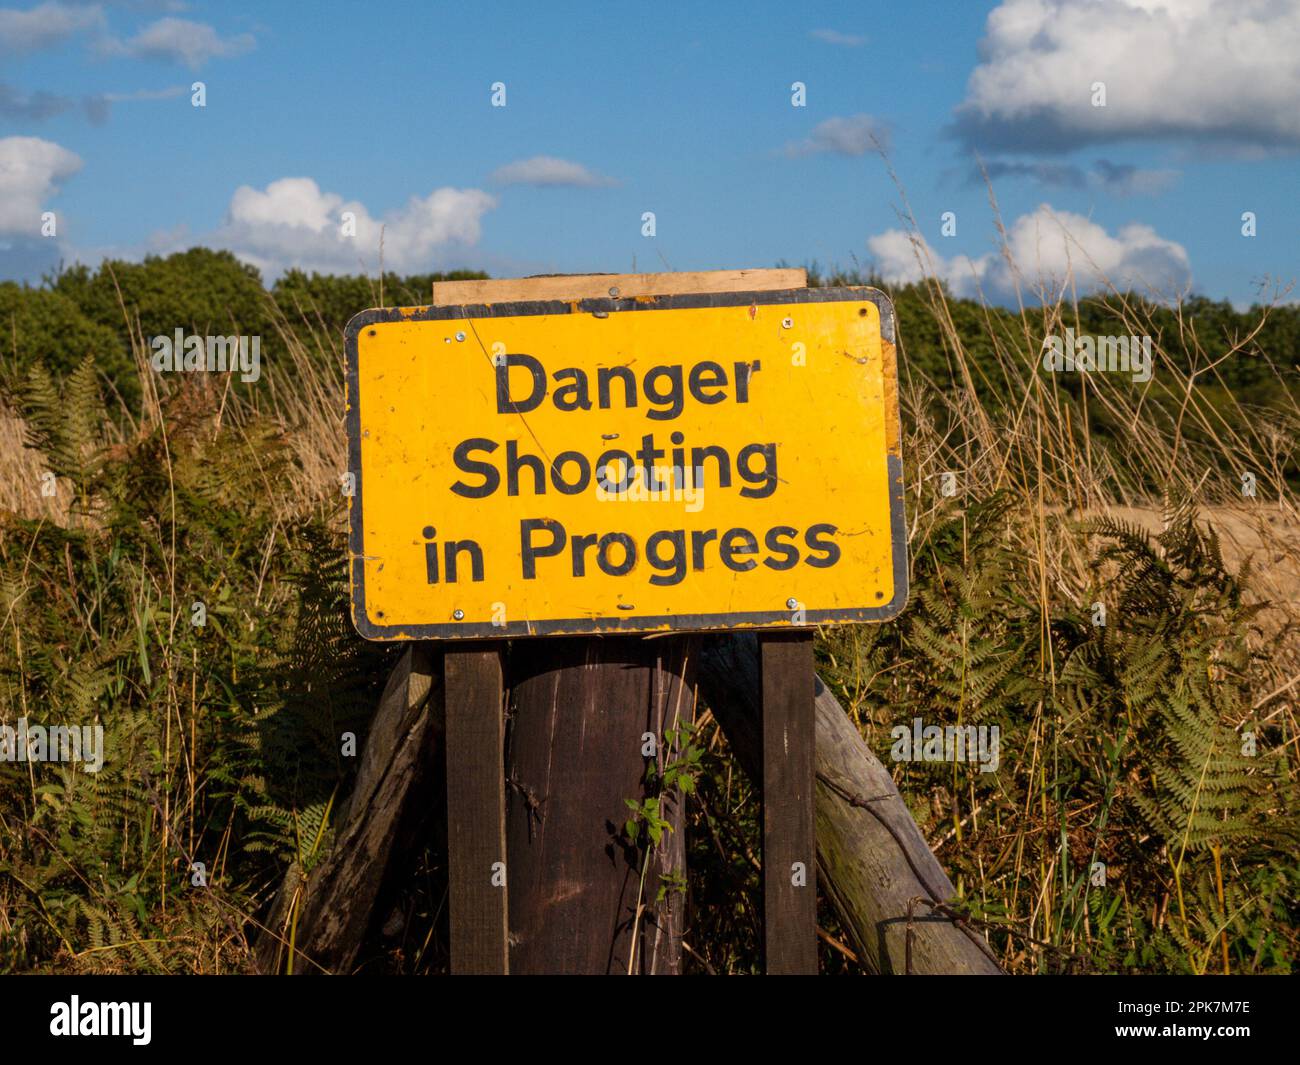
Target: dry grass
[(1041, 448), (23, 484)]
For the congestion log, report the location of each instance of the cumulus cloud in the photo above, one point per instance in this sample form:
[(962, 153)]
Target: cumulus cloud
[(31, 171), (848, 40), (1051, 249), (179, 40), (545, 170), (1226, 71), (46, 26), (843, 135), (293, 223)]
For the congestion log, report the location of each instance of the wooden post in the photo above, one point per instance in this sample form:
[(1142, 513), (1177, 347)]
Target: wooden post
[(581, 707), (579, 903), (789, 842), (476, 812)]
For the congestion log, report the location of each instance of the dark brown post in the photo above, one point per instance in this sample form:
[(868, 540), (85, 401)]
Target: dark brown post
[(581, 706), (789, 842), (476, 851)]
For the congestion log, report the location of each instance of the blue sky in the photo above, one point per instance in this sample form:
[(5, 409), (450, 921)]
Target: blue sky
[(682, 110)]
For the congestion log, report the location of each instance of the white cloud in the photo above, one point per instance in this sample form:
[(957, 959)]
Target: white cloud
[(179, 40), (851, 135), (849, 40), (901, 258), (45, 25), (548, 170), (1197, 70), (293, 223), (1050, 248), (31, 170)]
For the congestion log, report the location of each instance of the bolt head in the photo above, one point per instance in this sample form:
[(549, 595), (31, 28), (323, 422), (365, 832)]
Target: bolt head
[(792, 603), (459, 615), (460, 336)]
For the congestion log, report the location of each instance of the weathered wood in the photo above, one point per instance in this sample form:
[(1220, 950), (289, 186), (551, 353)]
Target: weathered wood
[(872, 859), (476, 845), (597, 286), (579, 902), (325, 915), (789, 849)]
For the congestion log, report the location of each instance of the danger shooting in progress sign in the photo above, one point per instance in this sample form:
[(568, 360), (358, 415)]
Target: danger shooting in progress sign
[(680, 462)]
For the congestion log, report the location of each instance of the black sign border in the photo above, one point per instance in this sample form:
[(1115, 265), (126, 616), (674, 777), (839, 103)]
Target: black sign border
[(753, 619)]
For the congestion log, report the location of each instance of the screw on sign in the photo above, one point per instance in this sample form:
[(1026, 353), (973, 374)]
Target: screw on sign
[(646, 456)]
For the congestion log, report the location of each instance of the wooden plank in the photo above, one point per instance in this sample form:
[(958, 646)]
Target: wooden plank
[(476, 810), (872, 859), (789, 840), (394, 778), (598, 286)]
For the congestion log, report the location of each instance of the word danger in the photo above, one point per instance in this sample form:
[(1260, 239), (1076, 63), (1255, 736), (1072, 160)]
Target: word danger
[(670, 553), (615, 469), (664, 387)]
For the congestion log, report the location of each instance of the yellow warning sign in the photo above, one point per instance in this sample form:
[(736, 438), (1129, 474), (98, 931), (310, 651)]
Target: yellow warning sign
[(681, 462)]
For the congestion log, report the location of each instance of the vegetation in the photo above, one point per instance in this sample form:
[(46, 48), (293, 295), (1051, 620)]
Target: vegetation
[(1143, 816)]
